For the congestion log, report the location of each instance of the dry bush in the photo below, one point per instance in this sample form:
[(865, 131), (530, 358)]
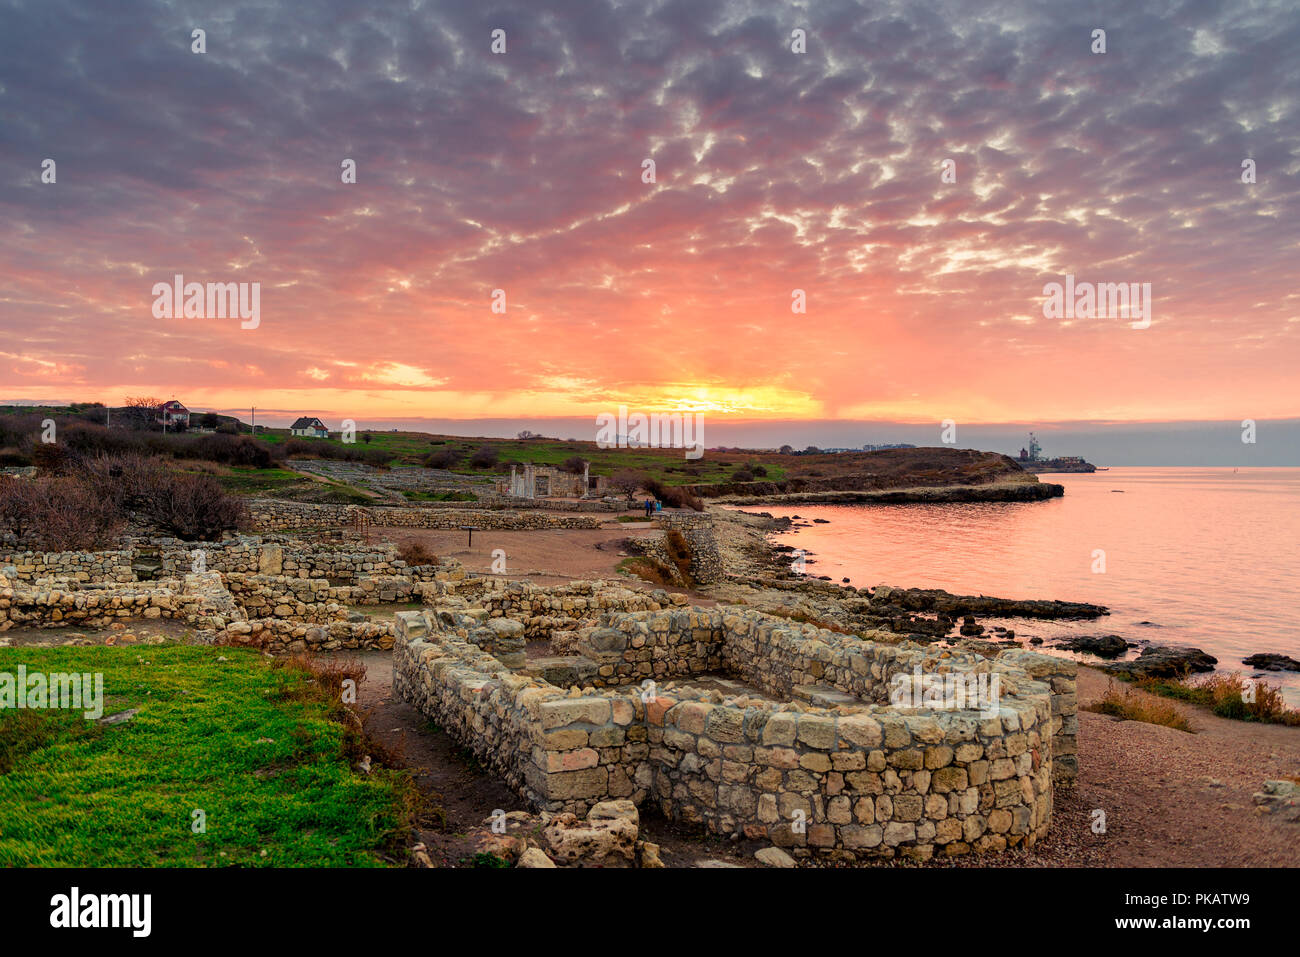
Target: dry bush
[(679, 550), (627, 481), (1135, 706), (647, 569), (415, 552), (191, 507), (58, 514), (672, 496), (485, 458), (442, 459), (1227, 700)]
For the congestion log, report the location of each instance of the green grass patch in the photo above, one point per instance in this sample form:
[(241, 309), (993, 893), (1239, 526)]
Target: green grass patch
[(247, 480), (259, 748)]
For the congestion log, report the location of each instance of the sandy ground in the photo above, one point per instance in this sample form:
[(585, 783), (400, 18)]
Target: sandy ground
[(1183, 800), (572, 553)]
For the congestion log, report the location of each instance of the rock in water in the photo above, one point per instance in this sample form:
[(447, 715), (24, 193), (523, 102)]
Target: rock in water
[(1272, 663), (1103, 646), (1166, 661)]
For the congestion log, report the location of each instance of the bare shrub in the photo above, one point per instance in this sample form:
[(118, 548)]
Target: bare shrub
[(673, 496), (627, 481), (485, 458), (442, 459), (192, 507), (415, 552), (59, 514)]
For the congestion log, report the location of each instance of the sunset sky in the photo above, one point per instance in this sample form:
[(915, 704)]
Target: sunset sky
[(775, 171)]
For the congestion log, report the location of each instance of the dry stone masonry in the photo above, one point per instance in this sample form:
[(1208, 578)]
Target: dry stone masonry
[(744, 723), (272, 516), (276, 593)]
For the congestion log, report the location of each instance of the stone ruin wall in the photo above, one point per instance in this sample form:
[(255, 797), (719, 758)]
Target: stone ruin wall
[(255, 591), (869, 780), (270, 516), (706, 566)]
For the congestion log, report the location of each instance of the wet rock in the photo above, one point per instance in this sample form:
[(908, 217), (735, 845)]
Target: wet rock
[(1271, 662), (1103, 646), (937, 600), (1166, 661)]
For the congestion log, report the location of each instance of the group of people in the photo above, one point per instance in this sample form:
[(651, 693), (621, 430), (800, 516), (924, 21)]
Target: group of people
[(652, 506)]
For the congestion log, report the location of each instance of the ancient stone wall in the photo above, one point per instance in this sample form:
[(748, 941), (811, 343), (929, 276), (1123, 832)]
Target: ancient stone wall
[(105, 566), (271, 516), (697, 528), (837, 771)]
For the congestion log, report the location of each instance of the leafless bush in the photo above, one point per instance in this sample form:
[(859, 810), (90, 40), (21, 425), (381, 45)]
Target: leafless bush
[(58, 514)]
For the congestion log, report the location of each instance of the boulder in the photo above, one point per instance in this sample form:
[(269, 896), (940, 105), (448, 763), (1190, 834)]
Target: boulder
[(1166, 661), (1272, 662), (1103, 646), (774, 857), (607, 838), (533, 857)]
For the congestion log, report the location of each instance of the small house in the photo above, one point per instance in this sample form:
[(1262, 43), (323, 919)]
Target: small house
[(173, 415), (310, 427)]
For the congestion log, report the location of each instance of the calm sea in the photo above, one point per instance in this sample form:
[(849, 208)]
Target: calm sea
[(1209, 557)]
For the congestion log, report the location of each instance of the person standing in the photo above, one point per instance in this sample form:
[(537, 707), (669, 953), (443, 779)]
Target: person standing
[(649, 507)]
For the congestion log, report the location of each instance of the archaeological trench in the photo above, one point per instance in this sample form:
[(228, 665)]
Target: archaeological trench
[(725, 717)]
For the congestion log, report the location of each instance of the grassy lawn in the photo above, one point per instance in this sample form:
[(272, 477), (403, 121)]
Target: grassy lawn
[(255, 746), (246, 480)]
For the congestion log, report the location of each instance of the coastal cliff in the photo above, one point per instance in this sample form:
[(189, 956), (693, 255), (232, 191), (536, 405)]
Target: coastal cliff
[(891, 476)]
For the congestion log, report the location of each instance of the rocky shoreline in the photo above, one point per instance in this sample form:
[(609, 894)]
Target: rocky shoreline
[(759, 574), (931, 495)]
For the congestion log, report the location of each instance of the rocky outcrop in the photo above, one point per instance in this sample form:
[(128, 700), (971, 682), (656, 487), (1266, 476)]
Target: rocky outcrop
[(1270, 662), (936, 495), (1165, 661), (1103, 646), (942, 602)]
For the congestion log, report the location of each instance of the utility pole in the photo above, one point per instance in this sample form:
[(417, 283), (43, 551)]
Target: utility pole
[(253, 413)]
